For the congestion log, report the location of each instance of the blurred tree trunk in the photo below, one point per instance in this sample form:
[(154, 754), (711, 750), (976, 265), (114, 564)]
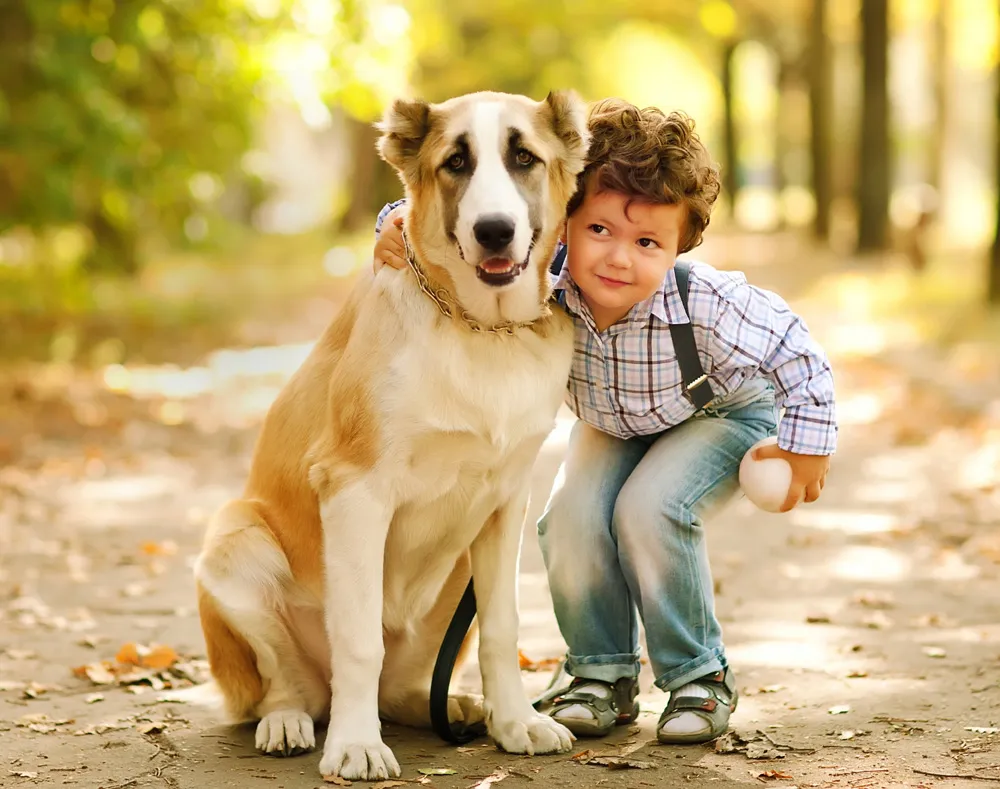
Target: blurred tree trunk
[(782, 144), (993, 278), (364, 164), (820, 153), (940, 56), (730, 175), (874, 166)]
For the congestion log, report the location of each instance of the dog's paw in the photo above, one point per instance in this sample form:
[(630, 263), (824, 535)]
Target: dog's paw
[(467, 709), (285, 733), (357, 761), (533, 734)]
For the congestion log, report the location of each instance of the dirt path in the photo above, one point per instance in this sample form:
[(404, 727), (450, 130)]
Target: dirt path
[(865, 630)]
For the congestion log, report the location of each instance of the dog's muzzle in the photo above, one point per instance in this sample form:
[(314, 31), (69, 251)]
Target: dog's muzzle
[(494, 234)]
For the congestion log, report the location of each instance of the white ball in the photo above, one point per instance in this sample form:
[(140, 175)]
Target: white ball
[(765, 482)]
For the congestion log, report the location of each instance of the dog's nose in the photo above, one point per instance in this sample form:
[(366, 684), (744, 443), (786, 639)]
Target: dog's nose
[(494, 231)]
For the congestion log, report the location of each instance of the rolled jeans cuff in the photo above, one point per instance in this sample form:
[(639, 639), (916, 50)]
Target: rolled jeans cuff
[(708, 663), (604, 668)]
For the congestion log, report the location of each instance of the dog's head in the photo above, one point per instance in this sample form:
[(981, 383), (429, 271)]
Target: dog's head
[(488, 176)]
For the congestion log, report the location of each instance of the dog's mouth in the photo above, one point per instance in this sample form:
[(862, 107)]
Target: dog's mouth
[(501, 271)]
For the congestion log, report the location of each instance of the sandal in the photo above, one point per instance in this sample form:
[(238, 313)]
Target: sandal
[(714, 710), (617, 707)]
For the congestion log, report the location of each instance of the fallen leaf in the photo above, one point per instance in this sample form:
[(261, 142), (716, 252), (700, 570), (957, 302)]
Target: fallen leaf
[(494, 778), (388, 784), (423, 779), (152, 728), (878, 600), (934, 652), (437, 771), (93, 698), (160, 657), (773, 775), (817, 619), (527, 664), (760, 750), (23, 774), (336, 780), (618, 763), (857, 673), (982, 729), (584, 756), (877, 621), (98, 673), (840, 709), (128, 654)]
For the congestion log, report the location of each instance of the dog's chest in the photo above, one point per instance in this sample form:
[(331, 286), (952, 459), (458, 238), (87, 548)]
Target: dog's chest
[(485, 397)]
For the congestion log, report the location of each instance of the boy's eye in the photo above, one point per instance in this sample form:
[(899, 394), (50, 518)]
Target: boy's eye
[(647, 243), (525, 158), (455, 162), (599, 229)]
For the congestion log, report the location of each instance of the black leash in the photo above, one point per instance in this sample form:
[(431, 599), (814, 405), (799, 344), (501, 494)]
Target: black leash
[(444, 666), (699, 390)]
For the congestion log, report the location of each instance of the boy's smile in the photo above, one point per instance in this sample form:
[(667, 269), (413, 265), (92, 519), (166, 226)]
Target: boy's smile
[(620, 249)]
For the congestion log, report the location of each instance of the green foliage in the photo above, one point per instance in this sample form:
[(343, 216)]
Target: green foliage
[(109, 111)]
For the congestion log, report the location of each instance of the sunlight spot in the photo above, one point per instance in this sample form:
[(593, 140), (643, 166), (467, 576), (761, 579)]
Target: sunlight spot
[(861, 408), (845, 520), (869, 563), (793, 653), (952, 567), (339, 262), (889, 492)]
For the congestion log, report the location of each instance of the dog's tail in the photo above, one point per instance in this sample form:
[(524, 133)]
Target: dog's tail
[(237, 681)]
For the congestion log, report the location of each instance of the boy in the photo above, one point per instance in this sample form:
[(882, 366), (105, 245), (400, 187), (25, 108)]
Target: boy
[(623, 531)]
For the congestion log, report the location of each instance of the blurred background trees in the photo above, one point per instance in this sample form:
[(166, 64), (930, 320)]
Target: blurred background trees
[(128, 129)]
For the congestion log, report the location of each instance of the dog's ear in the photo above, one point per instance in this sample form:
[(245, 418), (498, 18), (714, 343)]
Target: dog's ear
[(404, 127), (567, 115)]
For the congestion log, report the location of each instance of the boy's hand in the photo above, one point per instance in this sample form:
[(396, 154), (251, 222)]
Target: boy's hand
[(808, 474), (389, 247)]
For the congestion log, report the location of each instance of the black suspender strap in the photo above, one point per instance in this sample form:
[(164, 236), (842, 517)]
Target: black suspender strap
[(557, 262), (696, 382)]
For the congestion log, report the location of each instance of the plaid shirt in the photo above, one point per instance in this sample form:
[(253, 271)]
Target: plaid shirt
[(626, 380)]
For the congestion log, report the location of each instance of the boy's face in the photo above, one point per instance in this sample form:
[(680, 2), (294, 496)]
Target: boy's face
[(619, 260)]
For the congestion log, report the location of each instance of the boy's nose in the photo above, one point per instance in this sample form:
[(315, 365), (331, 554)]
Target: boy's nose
[(619, 258)]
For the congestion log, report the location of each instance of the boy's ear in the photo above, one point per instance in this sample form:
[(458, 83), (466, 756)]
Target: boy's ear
[(562, 232), (404, 128)]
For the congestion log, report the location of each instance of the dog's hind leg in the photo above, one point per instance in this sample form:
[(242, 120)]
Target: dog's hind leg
[(244, 582), (404, 687)]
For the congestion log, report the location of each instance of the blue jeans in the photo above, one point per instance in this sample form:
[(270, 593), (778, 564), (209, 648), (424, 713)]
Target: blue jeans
[(623, 537)]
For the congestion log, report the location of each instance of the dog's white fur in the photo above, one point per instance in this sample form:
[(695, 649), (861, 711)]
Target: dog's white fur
[(396, 461)]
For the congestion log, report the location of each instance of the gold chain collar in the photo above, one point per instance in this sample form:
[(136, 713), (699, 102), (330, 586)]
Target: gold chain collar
[(444, 302)]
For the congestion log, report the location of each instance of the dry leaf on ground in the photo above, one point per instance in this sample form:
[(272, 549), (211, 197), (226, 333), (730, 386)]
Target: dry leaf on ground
[(436, 771), (527, 664), (840, 709), (773, 775), (388, 784), (336, 780), (495, 778)]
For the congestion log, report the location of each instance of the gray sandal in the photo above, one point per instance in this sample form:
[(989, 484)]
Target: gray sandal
[(620, 706), (714, 710)]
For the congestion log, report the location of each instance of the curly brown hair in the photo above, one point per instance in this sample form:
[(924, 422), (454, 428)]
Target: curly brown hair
[(653, 157)]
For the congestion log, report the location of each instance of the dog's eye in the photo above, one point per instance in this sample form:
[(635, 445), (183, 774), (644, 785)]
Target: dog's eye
[(525, 158), (455, 162)]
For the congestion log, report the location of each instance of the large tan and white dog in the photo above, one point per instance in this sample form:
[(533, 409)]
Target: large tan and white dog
[(397, 459)]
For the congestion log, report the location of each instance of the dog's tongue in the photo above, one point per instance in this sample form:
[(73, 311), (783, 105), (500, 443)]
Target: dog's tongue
[(496, 265)]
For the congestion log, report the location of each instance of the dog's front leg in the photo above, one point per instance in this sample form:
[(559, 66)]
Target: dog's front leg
[(355, 524), (513, 723)]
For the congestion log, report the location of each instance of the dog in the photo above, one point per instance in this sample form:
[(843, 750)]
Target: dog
[(395, 464)]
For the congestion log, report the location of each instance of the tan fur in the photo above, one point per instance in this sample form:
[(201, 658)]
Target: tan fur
[(395, 402)]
